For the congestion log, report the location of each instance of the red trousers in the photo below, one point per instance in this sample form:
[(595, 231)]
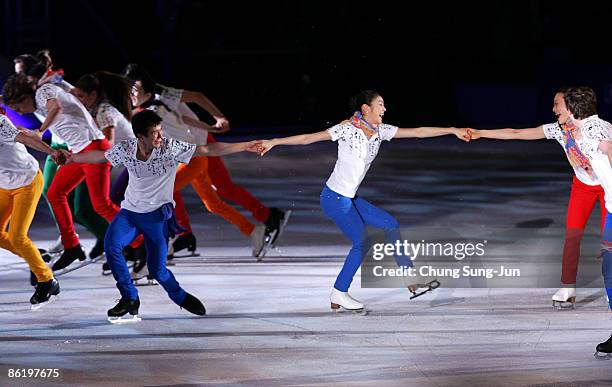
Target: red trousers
[(226, 188), (581, 202), (97, 178)]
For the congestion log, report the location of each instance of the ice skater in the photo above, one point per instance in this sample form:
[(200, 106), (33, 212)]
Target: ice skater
[(39, 70), (21, 185), (151, 160), (176, 100), (589, 137), (585, 192), (358, 142)]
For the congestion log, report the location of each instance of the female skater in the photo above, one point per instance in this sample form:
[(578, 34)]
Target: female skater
[(151, 160), (67, 118), (20, 188), (358, 144), (586, 191), (39, 71)]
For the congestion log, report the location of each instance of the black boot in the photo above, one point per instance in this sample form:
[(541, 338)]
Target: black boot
[(275, 223), (604, 350), (124, 307), (184, 241), (68, 256), (33, 279), (193, 305), (44, 290), (97, 250)]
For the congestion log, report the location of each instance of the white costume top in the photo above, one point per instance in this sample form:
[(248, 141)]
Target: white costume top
[(151, 183), (355, 154), (555, 132), (17, 167), (171, 97), (593, 131), (74, 124), (107, 115)]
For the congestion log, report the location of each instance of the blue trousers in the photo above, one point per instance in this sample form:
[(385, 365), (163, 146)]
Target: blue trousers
[(352, 215), (606, 266), (154, 227)]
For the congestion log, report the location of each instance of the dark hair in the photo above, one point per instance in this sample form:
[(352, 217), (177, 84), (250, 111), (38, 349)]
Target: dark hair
[(141, 122), (580, 101), (44, 58), (27, 60), (32, 65), (110, 86), (16, 88), (136, 73), (364, 97)]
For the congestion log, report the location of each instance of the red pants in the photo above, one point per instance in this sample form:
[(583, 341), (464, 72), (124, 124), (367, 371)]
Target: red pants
[(97, 178), (226, 188), (582, 200), (196, 173)]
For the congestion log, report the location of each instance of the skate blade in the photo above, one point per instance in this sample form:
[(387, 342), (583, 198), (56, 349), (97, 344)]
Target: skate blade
[(51, 300), (124, 320), (187, 255), (144, 282), (429, 286), (602, 355), (339, 309), (563, 305), (73, 266), (282, 228)]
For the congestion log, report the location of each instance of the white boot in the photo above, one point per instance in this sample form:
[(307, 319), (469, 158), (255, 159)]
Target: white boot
[(57, 247), (564, 296), (343, 299)]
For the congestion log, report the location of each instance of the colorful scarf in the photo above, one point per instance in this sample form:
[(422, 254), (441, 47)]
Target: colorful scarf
[(359, 122), (574, 154)]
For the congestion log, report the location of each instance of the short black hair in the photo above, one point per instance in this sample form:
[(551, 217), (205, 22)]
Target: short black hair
[(141, 122), (580, 101)]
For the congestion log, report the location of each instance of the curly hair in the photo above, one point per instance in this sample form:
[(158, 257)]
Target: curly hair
[(16, 88), (580, 101)]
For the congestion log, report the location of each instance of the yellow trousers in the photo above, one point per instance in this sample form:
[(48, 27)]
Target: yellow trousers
[(18, 207)]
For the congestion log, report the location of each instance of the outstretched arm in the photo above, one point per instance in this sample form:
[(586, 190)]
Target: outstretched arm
[(201, 100), (424, 132), (509, 134), (225, 148), (32, 139), (301, 139), (91, 157), (606, 147)]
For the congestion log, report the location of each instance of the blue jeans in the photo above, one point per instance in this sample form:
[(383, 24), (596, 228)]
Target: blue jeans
[(154, 227), (352, 215), (606, 266)]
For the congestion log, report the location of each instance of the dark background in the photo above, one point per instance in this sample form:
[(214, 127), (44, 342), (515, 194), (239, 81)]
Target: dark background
[(294, 65)]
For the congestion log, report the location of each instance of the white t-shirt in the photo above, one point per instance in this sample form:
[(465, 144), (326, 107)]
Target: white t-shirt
[(355, 154), (172, 98), (17, 167), (74, 124), (151, 182), (107, 115), (593, 131), (554, 132)]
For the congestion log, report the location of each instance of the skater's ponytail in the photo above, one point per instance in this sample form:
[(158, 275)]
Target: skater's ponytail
[(365, 97), (110, 87)]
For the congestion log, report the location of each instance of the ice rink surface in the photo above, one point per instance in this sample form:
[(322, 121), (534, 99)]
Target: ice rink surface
[(270, 323)]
